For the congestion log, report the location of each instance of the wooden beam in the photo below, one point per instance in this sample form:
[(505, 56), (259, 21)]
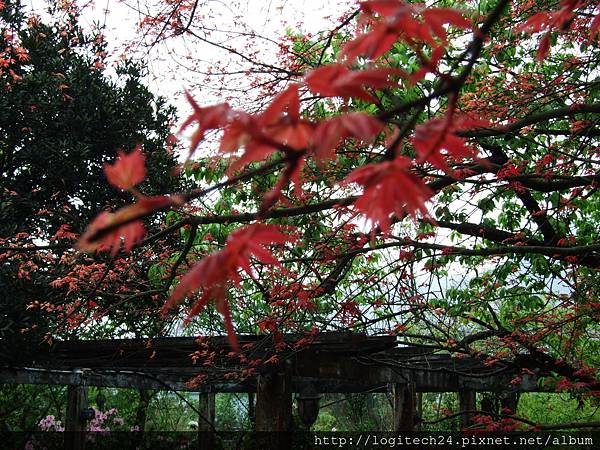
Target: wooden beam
[(466, 400), (404, 406), (75, 424), (175, 379)]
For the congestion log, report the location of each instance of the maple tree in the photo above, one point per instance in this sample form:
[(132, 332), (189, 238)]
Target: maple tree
[(426, 172)]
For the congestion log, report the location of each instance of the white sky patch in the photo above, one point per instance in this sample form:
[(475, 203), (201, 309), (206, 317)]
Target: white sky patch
[(174, 65)]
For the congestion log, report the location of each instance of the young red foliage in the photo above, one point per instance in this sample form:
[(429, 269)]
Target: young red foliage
[(397, 20), (128, 171), (336, 80), (124, 223), (437, 134), (130, 233), (208, 118), (64, 232), (330, 132), (278, 126), (595, 27), (558, 20), (373, 44), (389, 188), (436, 18), (213, 273)]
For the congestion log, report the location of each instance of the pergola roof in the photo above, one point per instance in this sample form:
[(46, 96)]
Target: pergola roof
[(332, 362)]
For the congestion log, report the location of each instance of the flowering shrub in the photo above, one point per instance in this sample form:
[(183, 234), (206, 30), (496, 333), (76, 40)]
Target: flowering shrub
[(49, 423), (102, 421)]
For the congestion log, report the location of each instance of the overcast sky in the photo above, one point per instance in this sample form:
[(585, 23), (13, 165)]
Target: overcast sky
[(168, 77)]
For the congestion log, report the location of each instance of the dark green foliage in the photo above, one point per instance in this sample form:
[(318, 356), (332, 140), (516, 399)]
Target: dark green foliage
[(62, 121), (62, 117)]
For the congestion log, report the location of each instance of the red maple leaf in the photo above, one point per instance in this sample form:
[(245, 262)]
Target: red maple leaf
[(389, 188), (277, 127), (595, 27), (64, 232), (437, 135), (213, 273), (436, 18), (558, 20), (372, 44), (208, 118), (281, 121), (396, 20), (385, 7), (128, 170), (330, 132), (130, 234), (336, 80), (108, 230)]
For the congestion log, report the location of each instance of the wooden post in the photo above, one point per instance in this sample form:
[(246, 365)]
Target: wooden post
[(142, 409), (466, 400), (206, 420), (251, 409), (419, 408), (75, 424), (404, 406), (274, 410), (489, 403), (274, 402), (510, 401)]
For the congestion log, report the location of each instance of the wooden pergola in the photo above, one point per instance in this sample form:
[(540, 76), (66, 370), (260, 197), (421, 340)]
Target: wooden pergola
[(329, 363)]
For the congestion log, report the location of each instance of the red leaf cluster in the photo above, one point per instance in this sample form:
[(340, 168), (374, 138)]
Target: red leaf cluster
[(108, 230), (337, 80), (208, 118), (280, 126), (394, 19), (128, 171), (438, 134), (330, 132), (130, 233), (389, 188), (558, 20), (213, 273)]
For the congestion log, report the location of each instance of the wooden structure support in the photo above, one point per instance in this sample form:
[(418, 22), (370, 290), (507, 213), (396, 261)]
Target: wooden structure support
[(274, 402), (75, 423), (206, 407), (273, 410), (252, 409), (405, 404), (206, 420), (335, 362), (467, 402)]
